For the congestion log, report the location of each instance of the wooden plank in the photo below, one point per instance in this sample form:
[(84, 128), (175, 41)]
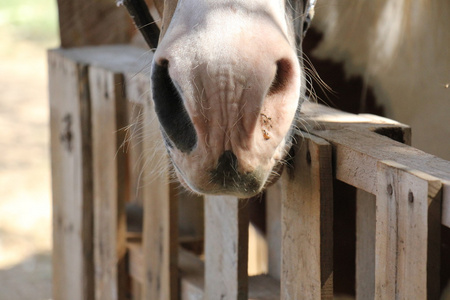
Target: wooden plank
[(357, 150), (192, 272), (117, 58), (273, 221), (73, 272), (110, 182), (160, 236), (138, 95), (192, 280), (261, 287), (191, 219), (357, 154), (133, 146), (226, 248), (86, 22), (365, 245), (136, 261), (407, 244), (307, 219), (365, 220)]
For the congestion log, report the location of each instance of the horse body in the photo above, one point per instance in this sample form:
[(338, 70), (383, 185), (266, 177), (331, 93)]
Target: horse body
[(227, 84)]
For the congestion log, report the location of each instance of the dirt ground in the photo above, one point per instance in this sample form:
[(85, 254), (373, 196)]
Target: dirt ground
[(25, 201)]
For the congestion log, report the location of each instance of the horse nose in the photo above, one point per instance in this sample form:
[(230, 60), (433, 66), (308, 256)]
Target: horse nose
[(227, 176)]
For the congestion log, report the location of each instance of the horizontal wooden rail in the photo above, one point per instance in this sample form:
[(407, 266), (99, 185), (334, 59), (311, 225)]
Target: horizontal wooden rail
[(403, 199)]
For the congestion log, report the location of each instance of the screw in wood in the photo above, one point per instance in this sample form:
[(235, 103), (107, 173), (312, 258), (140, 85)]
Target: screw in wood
[(308, 157), (390, 190), (410, 197)]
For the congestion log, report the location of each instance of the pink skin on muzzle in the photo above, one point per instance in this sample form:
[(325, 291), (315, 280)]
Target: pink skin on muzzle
[(236, 73)]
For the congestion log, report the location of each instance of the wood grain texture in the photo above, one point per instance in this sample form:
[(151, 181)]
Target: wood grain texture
[(226, 248), (160, 236), (307, 219), (110, 182), (365, 245), (407, 244), (98, 22), (273, 221), (357, 154), (73, 272)]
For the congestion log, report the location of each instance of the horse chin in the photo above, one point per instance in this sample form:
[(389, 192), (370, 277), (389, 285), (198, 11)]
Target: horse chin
[(223, 181)]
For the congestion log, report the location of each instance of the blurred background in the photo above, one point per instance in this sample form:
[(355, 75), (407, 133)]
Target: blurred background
[(27, 29), (408, 72)]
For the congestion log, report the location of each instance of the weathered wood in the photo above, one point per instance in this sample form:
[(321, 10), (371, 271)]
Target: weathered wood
[(273, 221), (73, 269), (133, 146), (110, 182), (365, 245), (191, 218), (357, 154), (365, 219), (357, 150), (192, 276), (192, 272), (143, 20), (87, 22), (226, 248), (407, 245), (138, 96), (160, 236), (307, 220)]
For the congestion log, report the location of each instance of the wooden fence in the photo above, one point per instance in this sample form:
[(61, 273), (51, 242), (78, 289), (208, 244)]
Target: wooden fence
[(105, 181)]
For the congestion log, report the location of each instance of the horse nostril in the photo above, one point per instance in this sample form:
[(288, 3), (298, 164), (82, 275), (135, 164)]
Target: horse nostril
[(176, 124), (282, 75)]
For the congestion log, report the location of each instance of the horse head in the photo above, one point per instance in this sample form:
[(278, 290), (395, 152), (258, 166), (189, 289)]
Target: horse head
[(227, 86)]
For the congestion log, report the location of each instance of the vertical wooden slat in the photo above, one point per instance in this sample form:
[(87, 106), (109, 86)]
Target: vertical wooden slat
[(365, 245), (110, 183), (160, 234), (273, 221), (307, 219), (407, 244), (138, 96), (71, 179), (226, 248), (134, 150)]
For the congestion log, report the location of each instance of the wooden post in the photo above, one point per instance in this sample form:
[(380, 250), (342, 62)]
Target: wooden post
[(226, 248), (307, 220), (99, 22), (73, 269), (407, 244), (160, 235), (110, 182), (365, 245), (273, 221)]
